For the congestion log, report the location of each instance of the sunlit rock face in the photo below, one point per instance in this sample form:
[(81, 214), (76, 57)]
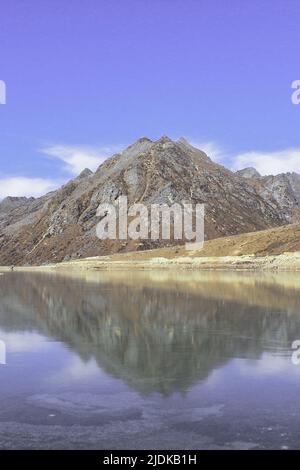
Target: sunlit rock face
[(62, 225)]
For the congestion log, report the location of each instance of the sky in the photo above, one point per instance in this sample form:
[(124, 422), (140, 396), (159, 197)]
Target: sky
[(84, 79)]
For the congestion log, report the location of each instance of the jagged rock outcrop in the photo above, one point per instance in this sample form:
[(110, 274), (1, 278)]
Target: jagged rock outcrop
[(283, 188), (10, 203), (62, 224), (249, 172)]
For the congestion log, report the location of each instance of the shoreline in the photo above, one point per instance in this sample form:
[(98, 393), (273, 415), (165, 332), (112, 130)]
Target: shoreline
[(142, 261)]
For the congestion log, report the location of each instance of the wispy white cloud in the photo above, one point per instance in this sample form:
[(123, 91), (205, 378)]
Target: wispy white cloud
[(77, 158), (74, 159), (76, 370), (270, 163), (266, 163), (22, 186), (23, 342)]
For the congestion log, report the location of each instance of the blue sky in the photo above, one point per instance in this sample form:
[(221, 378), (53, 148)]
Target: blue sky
[(86, 78)]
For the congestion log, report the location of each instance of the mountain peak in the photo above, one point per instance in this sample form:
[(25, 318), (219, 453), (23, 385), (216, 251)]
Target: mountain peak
[(143, 140), (248, 172), (140, 146), (147, 172), (164, 139), (11, 202), (182, 140), (85, 173)]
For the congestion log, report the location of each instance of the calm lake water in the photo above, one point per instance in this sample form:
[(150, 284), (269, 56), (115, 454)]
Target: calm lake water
[(149, 360)]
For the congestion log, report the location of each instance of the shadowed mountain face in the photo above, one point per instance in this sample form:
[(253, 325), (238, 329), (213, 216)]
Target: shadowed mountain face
[(62, 224), (156, 339)]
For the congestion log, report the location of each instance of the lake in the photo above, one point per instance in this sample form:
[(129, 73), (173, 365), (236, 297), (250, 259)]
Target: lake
[(149, 360)]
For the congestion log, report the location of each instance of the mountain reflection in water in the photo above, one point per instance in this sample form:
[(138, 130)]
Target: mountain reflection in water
[(149, 360), (158, 334)]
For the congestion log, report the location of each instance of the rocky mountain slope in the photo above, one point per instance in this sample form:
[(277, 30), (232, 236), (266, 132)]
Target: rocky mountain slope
[(62, 224), (284, 188)]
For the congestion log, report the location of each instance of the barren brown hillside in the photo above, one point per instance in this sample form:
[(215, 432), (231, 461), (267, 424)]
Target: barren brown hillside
[(274, 241)]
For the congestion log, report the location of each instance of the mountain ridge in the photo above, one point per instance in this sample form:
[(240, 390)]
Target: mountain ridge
[(61, 225)]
